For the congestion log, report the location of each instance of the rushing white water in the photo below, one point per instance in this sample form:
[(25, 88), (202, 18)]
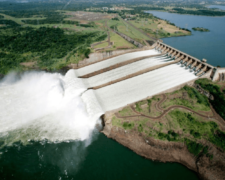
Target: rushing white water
[(113, 61), (38, 105), (134, 89), (41, 106), (124, 71)]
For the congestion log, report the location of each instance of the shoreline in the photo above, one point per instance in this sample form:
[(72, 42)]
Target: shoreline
[(183, 14), (158, 150)]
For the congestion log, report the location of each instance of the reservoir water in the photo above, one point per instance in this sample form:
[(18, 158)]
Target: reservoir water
[(209, 45)]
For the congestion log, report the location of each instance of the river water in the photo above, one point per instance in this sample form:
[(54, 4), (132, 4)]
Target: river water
[(208, 45)]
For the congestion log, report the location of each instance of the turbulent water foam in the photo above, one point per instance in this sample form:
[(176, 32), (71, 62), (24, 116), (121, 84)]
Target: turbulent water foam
[(41, 105), (115, 60), (139, 87), (124, 71)]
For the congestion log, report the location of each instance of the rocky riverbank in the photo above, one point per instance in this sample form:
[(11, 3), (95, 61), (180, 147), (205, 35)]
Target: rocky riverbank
[(167, 151)]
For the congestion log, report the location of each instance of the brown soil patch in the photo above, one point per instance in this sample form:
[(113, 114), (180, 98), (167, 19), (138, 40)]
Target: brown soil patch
[(88, 16), (29, 64), (123, 47)]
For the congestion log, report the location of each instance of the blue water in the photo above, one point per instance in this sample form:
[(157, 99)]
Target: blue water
[(217, 6), (208, 45)]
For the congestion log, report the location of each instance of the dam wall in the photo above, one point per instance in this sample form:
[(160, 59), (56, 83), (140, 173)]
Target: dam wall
[(219, 74), (200, 66)]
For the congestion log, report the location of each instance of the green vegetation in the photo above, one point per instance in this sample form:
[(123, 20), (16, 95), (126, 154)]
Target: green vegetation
[(157, 28), (194, 148), (194, 100), (193, 93), (138, 105), (198, 12), (197, 148), (208, 130), (119, 42), (45, 45), (115, 19), (170, 136), (149, 103), (127, 125), (126, 112), (127, 29), (50, 17), (219, 100), (116, 122), (8, 23), (33, 13), (180, 126), (218, 138), (140, 128), (200, 29)]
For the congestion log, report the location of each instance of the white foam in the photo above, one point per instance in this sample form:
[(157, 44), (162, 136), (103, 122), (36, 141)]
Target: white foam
[(45, 106), (134, 89), (112, 61), (59, 108), (123, 71)]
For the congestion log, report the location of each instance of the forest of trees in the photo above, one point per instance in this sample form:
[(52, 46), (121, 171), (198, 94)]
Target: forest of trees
[(199, 12), (8, 23), (219, 100), (49, 44)]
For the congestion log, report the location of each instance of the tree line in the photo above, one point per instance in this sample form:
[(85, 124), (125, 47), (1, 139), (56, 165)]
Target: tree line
[(199, 12), (48, 44)]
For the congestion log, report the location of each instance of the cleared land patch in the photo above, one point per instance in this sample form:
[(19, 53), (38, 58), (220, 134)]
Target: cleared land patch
[(158, 28)]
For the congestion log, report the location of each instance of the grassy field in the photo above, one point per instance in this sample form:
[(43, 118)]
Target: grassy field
[(119, 42), (126, 112), (103, 45), (179, 124), (17, 20), (125, 28), (151, 26), (186, 98)]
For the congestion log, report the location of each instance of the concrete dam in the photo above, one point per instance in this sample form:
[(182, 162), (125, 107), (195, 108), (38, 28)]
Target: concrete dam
[(125, 79)]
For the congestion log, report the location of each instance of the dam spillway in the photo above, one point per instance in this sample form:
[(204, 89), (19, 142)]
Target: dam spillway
[(113, 61), (140, 87), (124, 71), (125, 79), (40, 99), (143, 74)]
